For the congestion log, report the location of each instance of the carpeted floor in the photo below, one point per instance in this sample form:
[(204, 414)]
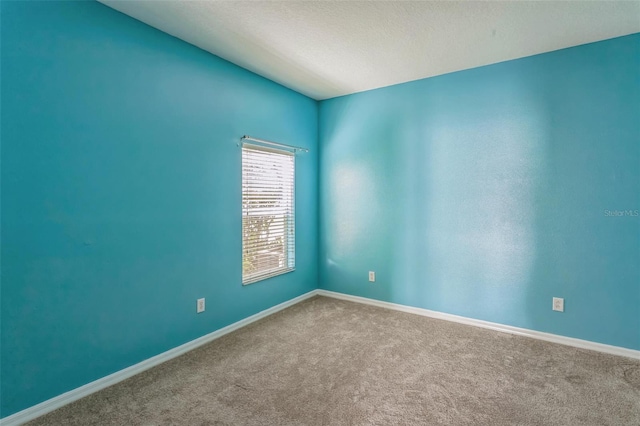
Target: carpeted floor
[(331, 362)]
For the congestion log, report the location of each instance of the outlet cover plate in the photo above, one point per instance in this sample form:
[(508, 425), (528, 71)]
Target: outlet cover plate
[(558, 304), (200, 305)]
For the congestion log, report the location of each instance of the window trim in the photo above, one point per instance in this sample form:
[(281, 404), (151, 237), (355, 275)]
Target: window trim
[(287, 221)]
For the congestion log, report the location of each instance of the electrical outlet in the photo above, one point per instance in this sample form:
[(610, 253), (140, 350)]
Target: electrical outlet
[(200, 305), (372, 276), (558, 304)]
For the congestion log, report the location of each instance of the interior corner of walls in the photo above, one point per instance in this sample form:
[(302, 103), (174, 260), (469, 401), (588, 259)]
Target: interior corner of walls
[(495, 185)]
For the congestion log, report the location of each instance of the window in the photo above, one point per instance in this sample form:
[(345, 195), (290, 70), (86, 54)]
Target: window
[(268, 213)]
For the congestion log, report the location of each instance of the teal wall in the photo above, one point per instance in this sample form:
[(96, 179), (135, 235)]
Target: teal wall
[(481, 193), (121, 194), (484, 193)]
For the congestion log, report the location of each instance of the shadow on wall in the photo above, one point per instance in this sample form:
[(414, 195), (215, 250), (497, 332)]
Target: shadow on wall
[(469, 224), (357, 195), (481, 193)]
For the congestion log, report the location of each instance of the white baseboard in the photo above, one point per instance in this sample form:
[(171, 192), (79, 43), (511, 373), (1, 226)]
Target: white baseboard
[(73, 395), (554, 338)]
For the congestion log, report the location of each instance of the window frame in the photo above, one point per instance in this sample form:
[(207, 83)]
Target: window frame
[(250, 154)]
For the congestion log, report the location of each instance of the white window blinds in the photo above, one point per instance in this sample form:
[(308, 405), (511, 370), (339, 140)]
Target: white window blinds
[(268, 212)]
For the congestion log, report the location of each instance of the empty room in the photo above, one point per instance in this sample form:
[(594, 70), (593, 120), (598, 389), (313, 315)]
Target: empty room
[(319, 213)]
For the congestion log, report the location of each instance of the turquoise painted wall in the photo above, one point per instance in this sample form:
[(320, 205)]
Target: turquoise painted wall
[(484, 193), (121, 194), (481, 193)]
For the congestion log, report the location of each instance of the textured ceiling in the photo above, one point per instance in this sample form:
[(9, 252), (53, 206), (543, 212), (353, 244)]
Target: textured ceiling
[(326, 49)]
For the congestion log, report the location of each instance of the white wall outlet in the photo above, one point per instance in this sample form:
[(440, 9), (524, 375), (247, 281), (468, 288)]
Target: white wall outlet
[(200, 305), (372, 276), (558, 304)]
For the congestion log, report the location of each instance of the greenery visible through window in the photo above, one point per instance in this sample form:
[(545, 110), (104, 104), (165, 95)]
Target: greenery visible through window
[(268, 218)]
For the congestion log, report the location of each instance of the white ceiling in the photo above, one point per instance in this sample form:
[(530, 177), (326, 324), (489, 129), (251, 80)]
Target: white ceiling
[(325, 49)]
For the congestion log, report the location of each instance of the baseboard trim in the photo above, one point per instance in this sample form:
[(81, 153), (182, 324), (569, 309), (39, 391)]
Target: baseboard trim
[(554, 338), (97, 385), (73, 395)]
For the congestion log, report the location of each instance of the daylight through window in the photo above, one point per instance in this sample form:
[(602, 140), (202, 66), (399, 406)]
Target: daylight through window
[(268, 218)]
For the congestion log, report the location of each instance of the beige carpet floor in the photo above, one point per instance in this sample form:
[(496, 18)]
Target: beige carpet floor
[(331, 362)]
